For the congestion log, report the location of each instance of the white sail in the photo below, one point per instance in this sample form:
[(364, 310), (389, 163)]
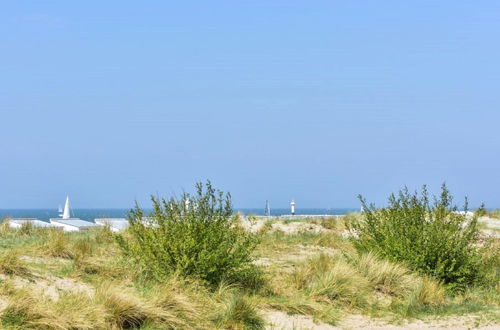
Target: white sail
[(66, 213)]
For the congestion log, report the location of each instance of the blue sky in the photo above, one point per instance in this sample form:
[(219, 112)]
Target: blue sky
[(110, 101)]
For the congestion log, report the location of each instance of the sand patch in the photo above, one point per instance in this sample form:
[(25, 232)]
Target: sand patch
[(292, 227), (49, 286), (45, 260), (277, 320), (455, 322), (491, 226), (299, 254), (282, 321)]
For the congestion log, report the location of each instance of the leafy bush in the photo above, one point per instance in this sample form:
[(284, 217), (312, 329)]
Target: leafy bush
[(192, 236), (432, 238)]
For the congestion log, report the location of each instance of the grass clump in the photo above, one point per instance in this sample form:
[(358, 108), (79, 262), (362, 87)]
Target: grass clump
[(385, 276), (20, 312), (57, 245), (194, 236), (11, 264), (5, 229), (432, 238), (236, 311), (123, 309), (331, 279), (27, 229)]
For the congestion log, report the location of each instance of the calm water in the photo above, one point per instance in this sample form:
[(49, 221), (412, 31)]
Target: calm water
[(91, 214)]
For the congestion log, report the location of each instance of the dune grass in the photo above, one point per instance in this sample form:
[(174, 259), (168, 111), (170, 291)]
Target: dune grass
[(317, 275), (331, 279), (236, 311), (494, 214), (11, 264)]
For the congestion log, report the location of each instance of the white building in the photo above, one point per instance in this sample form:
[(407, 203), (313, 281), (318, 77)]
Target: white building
[(73, 224), (17, 223), (114, 224)]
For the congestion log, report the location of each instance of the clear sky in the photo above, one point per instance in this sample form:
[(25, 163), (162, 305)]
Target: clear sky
[(109, 101)]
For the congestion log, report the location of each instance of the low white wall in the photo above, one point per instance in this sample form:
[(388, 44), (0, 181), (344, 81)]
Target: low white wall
[(65, 227), (14, 225)]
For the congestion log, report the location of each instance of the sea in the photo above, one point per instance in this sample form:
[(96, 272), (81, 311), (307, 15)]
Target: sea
[(91, 214)]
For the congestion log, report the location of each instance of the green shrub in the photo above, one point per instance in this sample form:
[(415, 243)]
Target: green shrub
[(431, 238), (199, 239)]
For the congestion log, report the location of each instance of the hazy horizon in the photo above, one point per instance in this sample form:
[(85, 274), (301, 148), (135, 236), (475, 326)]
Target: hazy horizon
[(109, 102)]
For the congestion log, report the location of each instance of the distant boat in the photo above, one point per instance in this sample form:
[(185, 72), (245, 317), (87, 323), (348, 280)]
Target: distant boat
[(60, 211), (66, 214)]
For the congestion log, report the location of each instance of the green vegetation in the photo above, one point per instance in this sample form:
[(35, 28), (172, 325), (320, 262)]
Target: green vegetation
[(10, 264), (432, 238), (198, 239), (493, 214), (89, 280)]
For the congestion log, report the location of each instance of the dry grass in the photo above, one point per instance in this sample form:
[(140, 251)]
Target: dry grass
[(322, 286), (494, 214), (71, 311), (332, 279), (57, 245), (11, 264), (236, 311), (5, 230), (112, 307), (387, 277), (124, 310), (429, 292)]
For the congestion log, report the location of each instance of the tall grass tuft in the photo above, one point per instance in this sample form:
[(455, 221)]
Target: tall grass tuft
[(332, 279), (57, 245), (385, 276), (5, 229), (187, 303), (11, 264), (123, 309), (82, 248), (427, 293), (21, 311), (71, 311), (27, 229), (237, 311)]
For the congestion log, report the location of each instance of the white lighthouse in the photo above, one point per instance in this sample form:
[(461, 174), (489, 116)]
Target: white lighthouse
[(292, 207)]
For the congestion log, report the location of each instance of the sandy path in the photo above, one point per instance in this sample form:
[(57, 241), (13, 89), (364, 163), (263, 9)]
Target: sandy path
[(281, 321)]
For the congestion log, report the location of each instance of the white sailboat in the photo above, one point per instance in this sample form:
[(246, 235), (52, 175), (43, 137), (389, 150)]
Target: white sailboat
[(68, 223), (67, 212)]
